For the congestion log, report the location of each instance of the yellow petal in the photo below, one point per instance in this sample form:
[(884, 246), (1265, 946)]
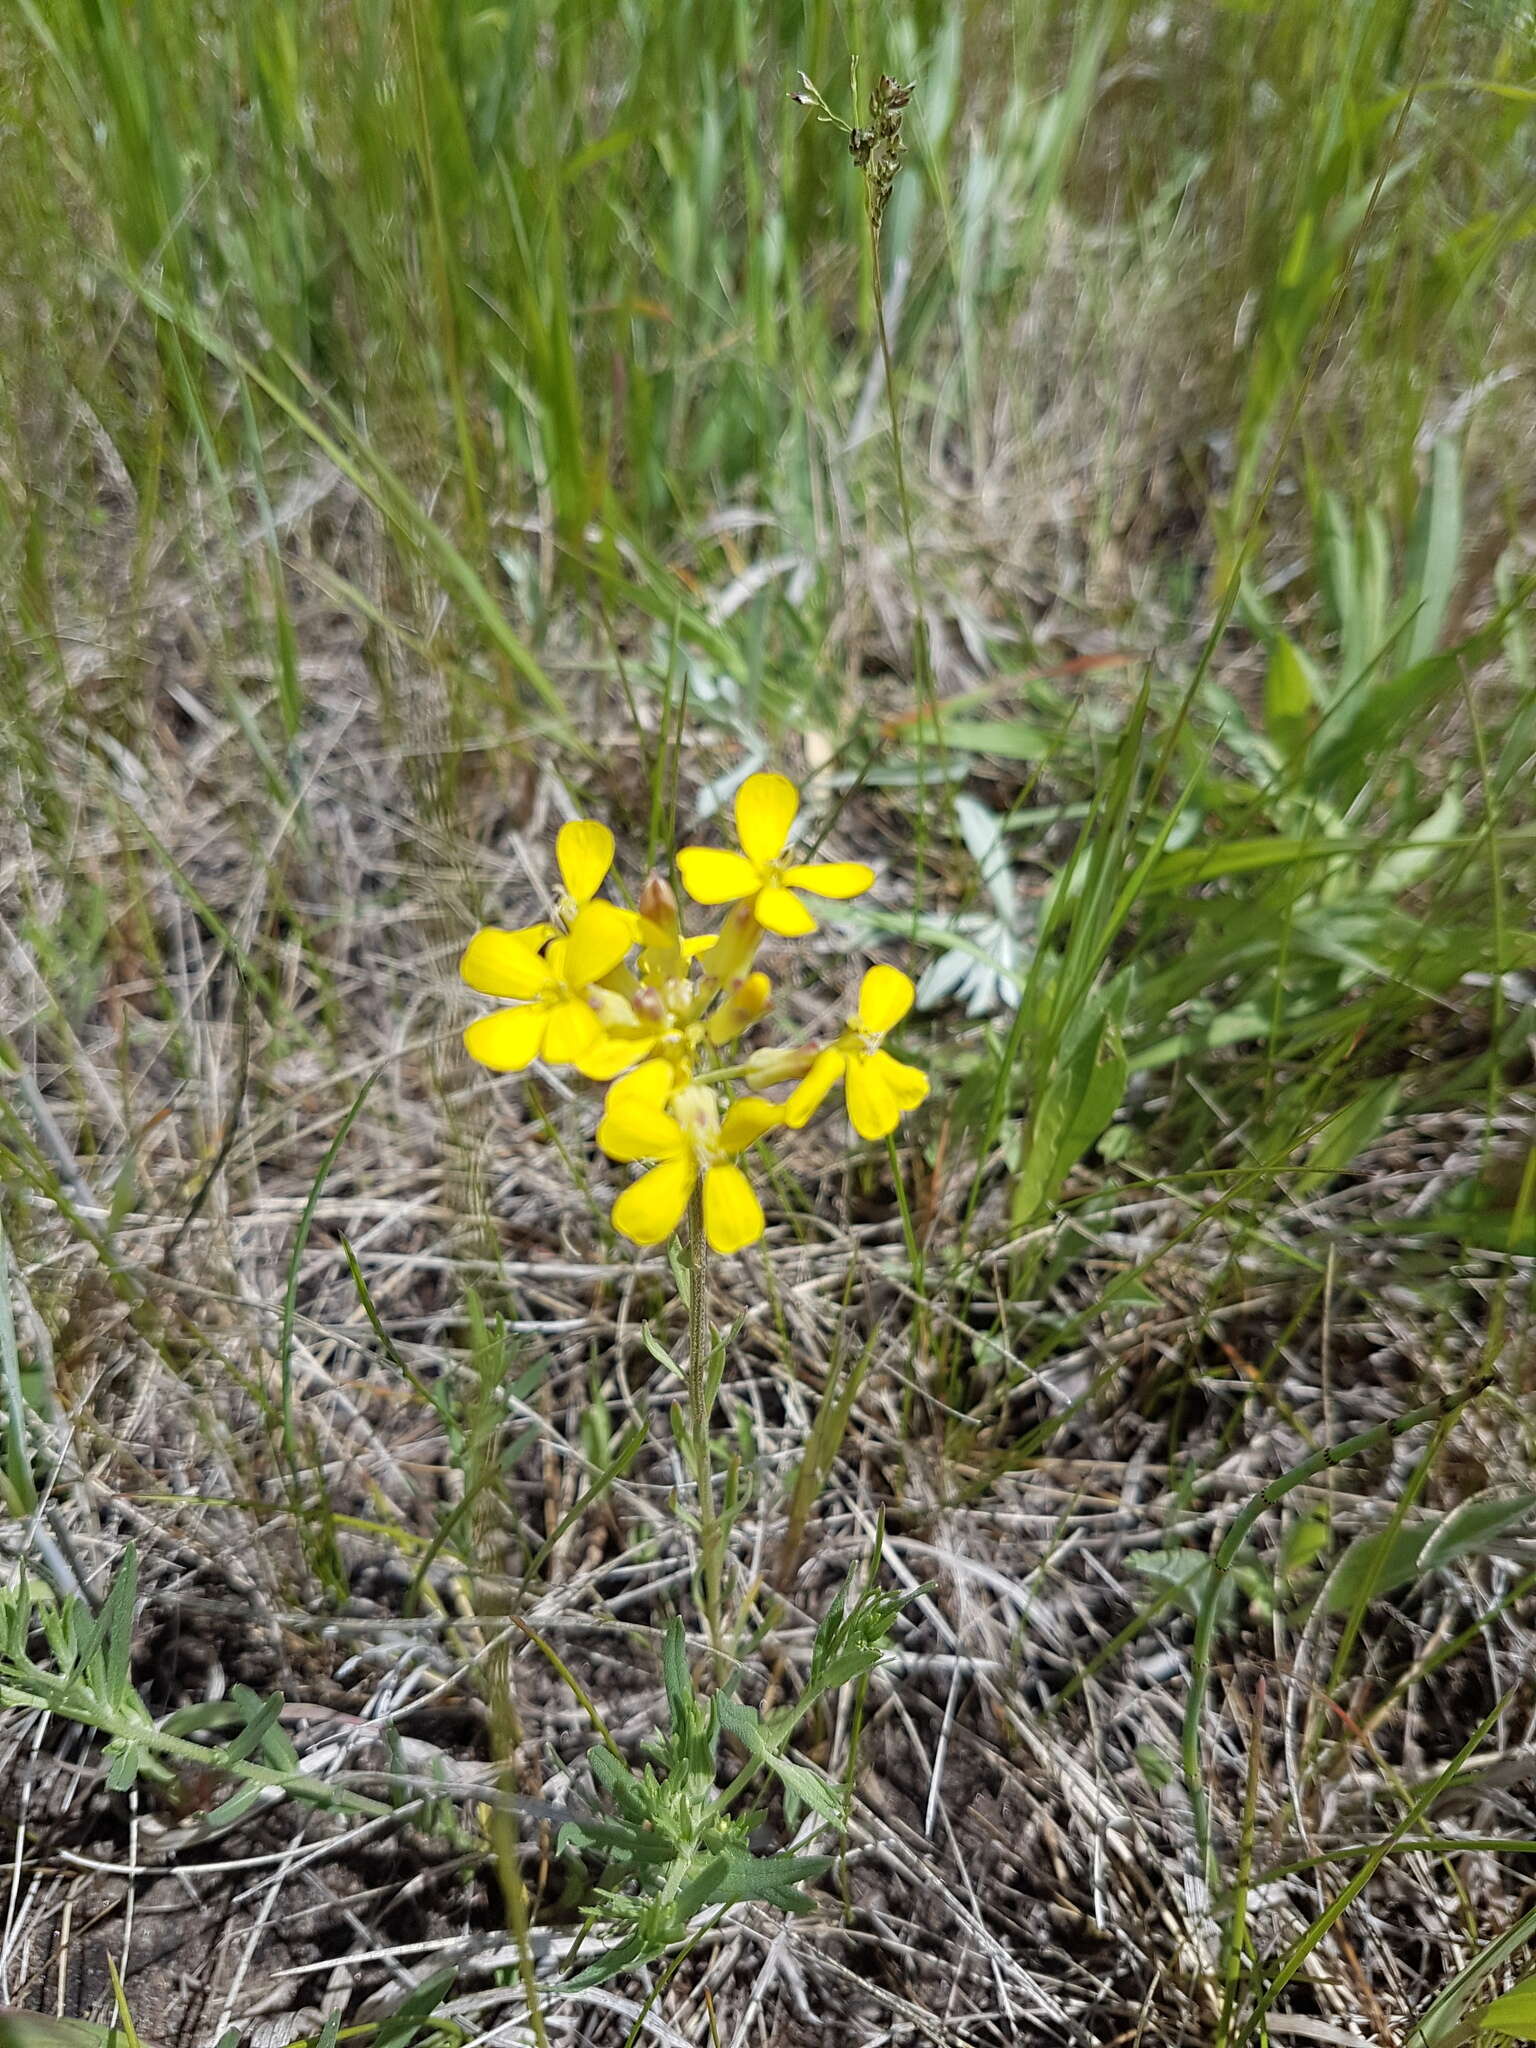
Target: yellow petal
[(826, 1071), (653, 1207), (745, 1122), (766, 807), (885, 996), (609, 1055), (584, 850), (840, 878), (650, 1084), (712, 876), (637, 1131), (777, 910), (601, 934), (571, 1030), (908, 1085), (535, 935), (872, 1108), (507, 1040), (733, 1216), (499, 963)]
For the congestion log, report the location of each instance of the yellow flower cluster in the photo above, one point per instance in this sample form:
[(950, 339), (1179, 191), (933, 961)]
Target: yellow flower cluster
[(623, 996)]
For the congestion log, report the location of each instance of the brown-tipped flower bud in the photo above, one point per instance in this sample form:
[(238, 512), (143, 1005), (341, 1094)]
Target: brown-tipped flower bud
[(766, 1069), (648, 1006), (658, 912)]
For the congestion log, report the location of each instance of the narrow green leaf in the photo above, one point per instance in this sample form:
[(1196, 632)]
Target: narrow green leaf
[(1434, 550), (405, 2021), (13, 1413), (810, 1788), (1513, 2014), (1182, 1574), (117, 1612), (674, 1671), (38, 2030), (1376, 1563), (1305, 1542), (1470, 1528), (1349, 1130), (1291, 691), (1003, 739), (125, 1768), (1085, 1088)]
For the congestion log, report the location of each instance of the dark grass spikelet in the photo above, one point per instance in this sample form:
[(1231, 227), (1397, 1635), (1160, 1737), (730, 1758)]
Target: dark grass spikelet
[(879, 148)]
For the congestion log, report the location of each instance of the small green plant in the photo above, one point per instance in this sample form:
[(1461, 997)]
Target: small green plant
[(628, 999), (678, 1844)]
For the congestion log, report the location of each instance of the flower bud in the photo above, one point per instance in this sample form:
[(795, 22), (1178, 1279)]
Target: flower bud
[(732, 954), (742, 1007), (660, 924), (614, 1012), (776, 1063)]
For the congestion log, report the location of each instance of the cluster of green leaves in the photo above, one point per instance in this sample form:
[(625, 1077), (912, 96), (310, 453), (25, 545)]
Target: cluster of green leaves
[(678, 1843)]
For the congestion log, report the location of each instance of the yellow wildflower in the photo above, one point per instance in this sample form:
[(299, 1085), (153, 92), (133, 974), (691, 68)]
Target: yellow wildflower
[(628, 997), (766, 809), (879, 1089), (647, 1117), (553, 993)]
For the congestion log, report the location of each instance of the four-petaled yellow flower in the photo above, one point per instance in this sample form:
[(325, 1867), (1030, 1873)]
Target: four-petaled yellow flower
[(766, 809), (648, 1117), (879, 1089), (553, 993)]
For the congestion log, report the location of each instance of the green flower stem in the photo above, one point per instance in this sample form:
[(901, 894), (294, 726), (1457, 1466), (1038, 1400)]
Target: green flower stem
[(700, 1406)]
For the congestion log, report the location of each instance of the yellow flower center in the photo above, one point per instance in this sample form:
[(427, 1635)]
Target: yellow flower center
[(695, 1109)]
